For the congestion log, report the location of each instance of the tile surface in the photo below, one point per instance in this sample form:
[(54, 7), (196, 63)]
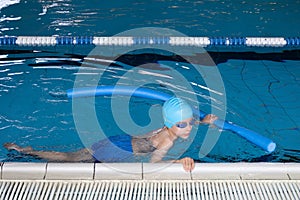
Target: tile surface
[(23, 170), (165, 171), (70, 171), (118, 171)]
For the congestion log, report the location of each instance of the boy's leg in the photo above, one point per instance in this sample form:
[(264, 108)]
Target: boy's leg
[(76, 156)]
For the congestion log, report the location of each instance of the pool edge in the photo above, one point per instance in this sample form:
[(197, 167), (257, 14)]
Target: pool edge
[(149, 171)]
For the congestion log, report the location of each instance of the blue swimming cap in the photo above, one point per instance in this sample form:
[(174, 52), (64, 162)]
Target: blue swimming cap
[(176, 110)]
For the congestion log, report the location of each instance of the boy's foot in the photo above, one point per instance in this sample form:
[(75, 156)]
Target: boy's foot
[(12, 146)]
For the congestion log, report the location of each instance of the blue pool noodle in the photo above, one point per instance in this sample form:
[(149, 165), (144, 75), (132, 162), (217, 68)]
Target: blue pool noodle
[(255, 138)]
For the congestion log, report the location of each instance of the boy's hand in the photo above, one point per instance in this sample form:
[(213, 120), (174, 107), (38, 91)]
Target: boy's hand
[(188, 164), (209, 119)]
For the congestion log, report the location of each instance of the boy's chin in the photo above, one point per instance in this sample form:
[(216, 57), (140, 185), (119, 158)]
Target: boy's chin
[(185, 136)]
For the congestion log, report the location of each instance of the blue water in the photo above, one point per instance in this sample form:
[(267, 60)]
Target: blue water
[(201, 18), (261, 89), (261, 95)]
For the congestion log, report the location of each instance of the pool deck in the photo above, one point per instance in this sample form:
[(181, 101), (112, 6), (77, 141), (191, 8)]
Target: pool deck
[(149, 181)]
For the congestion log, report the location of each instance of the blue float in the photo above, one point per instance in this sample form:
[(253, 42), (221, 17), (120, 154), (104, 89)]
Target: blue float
[(252, 136)]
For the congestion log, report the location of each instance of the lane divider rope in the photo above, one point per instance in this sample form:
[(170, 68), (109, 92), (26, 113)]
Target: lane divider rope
[(129, 41)]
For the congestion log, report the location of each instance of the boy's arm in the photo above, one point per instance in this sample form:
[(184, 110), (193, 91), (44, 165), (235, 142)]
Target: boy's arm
[(157, 156)]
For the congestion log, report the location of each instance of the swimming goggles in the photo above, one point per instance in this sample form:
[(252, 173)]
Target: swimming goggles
[(185, 124)]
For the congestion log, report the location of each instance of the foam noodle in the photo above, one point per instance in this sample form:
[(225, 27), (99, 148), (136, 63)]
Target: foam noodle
[(253, 137)]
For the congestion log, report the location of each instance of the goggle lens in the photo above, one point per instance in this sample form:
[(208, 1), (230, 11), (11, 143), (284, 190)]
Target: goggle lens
[(185, 124)]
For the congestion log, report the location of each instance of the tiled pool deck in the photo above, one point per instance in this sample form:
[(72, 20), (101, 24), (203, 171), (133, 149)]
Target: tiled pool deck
[(149, 181), (149, 171)]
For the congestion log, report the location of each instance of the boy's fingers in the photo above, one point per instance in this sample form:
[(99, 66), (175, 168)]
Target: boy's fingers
[(188, 164)]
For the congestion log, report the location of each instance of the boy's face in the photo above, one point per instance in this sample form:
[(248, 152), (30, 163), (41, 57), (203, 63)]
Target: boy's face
[(183, 128)]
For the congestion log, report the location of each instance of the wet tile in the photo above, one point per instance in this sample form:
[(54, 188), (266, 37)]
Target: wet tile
[(245, 171), (293, 170), (23, 170), (219, 171), (165, 171), (67, 171), (118, 171)]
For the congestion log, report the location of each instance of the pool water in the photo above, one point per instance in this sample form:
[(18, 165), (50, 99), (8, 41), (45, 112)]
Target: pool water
[(261, 95), (193, 18), (261, 86)]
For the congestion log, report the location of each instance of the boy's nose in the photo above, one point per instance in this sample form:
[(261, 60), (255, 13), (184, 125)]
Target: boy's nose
[(189, 126)]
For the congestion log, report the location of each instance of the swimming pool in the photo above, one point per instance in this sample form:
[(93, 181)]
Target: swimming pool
[(261, 88), (38, 114)]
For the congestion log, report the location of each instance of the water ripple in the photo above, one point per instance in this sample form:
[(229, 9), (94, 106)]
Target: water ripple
[(6, 3)]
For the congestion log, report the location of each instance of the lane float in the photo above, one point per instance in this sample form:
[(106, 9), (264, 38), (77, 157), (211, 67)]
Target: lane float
[(154, 40), (252, 136)]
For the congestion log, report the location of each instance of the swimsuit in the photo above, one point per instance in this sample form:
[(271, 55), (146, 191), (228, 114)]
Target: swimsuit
[(119, 148), (114, 149)]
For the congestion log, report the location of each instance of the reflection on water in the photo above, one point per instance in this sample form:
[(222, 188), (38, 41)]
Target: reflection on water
[(6, 3)]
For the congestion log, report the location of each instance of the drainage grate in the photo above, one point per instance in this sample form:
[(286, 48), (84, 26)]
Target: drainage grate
[(114, 190)]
